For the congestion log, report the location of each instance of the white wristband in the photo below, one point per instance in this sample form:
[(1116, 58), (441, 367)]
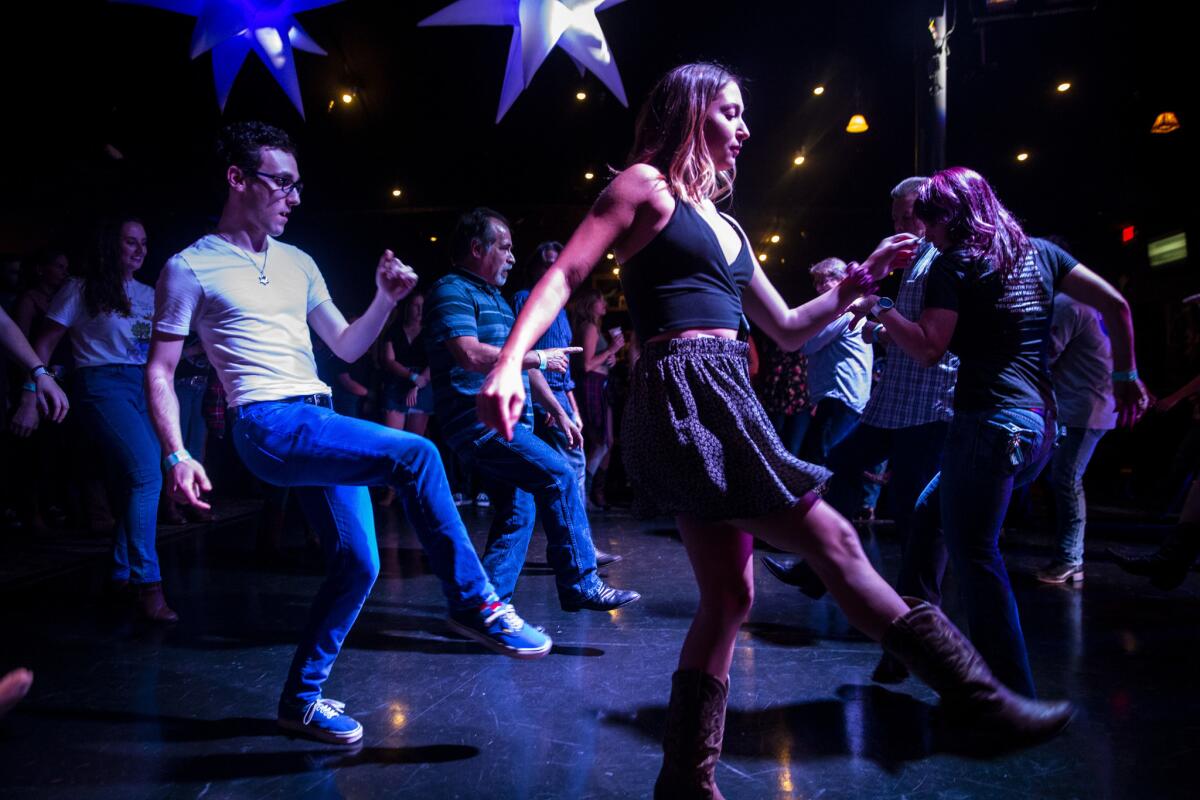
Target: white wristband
[(541, 360)]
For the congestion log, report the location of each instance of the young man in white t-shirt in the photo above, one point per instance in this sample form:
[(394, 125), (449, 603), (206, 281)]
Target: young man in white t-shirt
[(251, 298)]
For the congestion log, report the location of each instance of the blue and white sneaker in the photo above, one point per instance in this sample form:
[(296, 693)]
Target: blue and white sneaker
[(498, 627), (322, 719)]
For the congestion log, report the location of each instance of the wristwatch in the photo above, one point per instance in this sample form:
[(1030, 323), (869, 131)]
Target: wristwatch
[(881, 305)]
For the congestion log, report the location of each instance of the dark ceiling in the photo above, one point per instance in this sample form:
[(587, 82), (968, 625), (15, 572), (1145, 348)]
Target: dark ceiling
[(83, 75)]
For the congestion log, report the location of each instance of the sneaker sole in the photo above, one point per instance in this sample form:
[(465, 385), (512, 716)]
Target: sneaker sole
[(1074, 577), (309, 732), (577, 609), (512, 652)]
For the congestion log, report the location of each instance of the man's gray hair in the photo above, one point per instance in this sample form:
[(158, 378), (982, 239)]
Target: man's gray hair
[(908, 186), (828, 266)]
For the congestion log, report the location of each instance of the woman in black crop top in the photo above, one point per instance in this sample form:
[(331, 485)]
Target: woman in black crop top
[(989, 299), (698, 441)]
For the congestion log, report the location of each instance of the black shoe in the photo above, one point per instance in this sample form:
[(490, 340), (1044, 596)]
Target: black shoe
[(799, 574), (603, 559), (1163, 572), (606, 598)]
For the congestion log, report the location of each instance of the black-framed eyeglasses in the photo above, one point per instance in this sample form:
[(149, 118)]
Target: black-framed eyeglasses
[(283, 183)]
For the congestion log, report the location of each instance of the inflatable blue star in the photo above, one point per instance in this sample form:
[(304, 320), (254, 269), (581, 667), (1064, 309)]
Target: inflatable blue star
[(234, 28)]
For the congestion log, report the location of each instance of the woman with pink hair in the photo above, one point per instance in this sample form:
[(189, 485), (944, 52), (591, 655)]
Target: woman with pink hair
[(989, 300)]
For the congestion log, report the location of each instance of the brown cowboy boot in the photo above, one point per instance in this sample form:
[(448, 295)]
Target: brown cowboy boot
[(153, 605), (692, 743), (938, 653)]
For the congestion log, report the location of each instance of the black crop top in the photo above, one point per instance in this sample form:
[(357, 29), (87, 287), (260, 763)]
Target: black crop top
[(681, 279)]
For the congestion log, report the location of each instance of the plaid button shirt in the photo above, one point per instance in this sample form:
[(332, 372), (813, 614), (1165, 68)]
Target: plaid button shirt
[(909, 394)]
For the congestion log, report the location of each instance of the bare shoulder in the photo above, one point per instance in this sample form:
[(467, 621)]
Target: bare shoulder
[(639, 184)]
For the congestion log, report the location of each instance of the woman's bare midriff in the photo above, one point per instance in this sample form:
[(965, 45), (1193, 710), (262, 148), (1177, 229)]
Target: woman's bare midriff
[(695, 333)]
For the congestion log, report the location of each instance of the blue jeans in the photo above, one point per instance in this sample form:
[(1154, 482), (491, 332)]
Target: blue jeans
[(190, 392), (988, 454), (526, 478), (331, 460), (574, 456), (1067, 466), (833, 422), (791, 429), (914, 455), (111, 402)]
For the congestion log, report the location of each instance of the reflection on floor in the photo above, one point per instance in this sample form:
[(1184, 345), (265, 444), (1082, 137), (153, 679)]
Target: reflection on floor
[(119, 709)]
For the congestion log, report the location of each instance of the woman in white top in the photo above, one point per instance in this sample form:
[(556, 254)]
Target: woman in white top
[(110, 317)]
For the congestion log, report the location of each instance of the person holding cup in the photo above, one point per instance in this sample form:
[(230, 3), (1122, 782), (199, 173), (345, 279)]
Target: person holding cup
[(599, 356)]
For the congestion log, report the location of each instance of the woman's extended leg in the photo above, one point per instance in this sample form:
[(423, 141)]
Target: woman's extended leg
[(831, 545), (913, 631)]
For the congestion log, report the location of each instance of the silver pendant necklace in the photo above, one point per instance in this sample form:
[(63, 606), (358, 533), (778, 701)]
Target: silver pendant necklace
[(263, 280)]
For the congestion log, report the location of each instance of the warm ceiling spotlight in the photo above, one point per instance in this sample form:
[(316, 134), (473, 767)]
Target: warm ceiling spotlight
[(798, 160), (616, 270), (587, 176), (347, 98), (581, 96), (857, 124), (432, 238), (609, 256), (1065, 86), (775, 239), (1165, 122), (1022, 156), (332, 103), (396, 192), (818, 90), (762, 258)]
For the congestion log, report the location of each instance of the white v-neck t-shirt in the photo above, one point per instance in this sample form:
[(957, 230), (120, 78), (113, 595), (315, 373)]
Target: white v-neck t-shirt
[(256, 336)]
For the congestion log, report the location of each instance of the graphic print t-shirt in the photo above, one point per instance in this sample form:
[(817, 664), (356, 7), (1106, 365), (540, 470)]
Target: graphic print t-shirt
[(105, 338)]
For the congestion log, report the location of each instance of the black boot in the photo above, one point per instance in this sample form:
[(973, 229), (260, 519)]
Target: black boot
[(1168, 566), (889, 669), (799, 574), (937, 652), (692, 742)]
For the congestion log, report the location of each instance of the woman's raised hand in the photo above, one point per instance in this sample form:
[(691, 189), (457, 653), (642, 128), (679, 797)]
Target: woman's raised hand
[(894, 252), (501, 399)]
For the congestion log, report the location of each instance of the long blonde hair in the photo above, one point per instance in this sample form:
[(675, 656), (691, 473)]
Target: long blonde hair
[(670, 132)]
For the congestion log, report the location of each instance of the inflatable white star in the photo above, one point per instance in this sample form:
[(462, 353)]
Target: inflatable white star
[(234, 28), (538, 27)]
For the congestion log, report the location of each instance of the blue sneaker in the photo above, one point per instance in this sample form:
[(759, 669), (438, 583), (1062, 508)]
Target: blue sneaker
[(497, 627), (322, 719)]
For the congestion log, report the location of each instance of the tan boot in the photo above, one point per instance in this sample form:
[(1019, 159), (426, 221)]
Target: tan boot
[(692, 743), (153, 605), (938, 653)]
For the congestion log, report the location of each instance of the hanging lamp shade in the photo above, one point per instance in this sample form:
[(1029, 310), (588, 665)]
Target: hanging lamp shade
[(857, 124), (1166, 122)]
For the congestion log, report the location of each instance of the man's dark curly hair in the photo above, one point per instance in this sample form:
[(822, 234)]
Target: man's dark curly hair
[(240, 144)]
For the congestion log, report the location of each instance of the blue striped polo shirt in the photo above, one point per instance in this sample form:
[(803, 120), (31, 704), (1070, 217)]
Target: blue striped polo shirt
[(463, 304)]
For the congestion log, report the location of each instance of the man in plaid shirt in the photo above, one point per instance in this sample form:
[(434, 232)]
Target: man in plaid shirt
[(904, 422)]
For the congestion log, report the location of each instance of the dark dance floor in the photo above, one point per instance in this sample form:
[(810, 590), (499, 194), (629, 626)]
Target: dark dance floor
[(121, 709)]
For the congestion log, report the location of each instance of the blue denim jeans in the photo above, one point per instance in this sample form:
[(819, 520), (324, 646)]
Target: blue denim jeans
[(914, 456), (111, 402), (1067, 466), (190, 393), (988, 454), (331, 460), (575, 457), (526, 477), (832, 423)]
